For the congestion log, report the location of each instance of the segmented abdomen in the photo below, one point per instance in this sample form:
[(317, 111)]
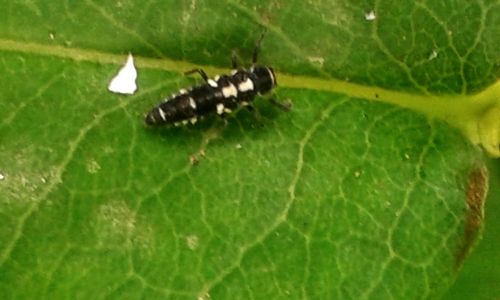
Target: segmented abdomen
[(218, 96)]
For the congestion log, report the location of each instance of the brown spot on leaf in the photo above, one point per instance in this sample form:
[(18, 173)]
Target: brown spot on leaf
[(477, 188)]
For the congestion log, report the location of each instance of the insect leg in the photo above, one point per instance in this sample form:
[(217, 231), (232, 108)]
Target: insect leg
[(256, 114), (285, 106), (234, 60), (199, 71), (257, 47)]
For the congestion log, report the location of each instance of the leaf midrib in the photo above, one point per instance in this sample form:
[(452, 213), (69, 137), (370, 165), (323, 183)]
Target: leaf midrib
[(461, 111)]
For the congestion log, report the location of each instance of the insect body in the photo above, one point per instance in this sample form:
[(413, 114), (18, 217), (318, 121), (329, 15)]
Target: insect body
[(220, 95)]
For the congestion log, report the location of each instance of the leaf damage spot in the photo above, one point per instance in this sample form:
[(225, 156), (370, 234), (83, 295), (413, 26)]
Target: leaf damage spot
[(316, 60), (194, 159), (208, 136), (116, 224), (370, 16), (186, 16), (192, 241), (117, 215), (26, 175), (93, 167), (124, 81), (477, 189), (204, 296)]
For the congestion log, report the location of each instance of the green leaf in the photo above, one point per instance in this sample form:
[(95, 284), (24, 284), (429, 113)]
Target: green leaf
[(343, 197)]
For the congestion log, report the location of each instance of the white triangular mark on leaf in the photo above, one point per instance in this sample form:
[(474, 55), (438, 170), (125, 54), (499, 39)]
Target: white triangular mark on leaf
[(124, 81)]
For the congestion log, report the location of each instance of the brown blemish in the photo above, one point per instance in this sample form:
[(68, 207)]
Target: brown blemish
[(477, 189), (208, 137), (194, 159)]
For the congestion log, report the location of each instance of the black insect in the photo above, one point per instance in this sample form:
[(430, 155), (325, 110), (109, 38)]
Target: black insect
[(220, 95)]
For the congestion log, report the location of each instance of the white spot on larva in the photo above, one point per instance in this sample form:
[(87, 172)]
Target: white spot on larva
[(212, 83), (177, 124), (124, 81), (271, 75), (192, 103), (220, 108), (184, 122), (216, 78), (229, 91), (193, 120), (192, 241), (2, 177), (316, 60), (246, 85), (234, 72), (227, 110), (433, 54), (244, 103), (93, 167), (162, 114), (370, 16), (183, 91)]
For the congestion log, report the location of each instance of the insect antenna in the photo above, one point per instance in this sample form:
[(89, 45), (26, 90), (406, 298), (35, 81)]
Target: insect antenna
[(257, 47)]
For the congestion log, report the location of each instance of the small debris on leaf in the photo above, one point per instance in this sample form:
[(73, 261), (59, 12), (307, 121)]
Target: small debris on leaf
[(192, 241), (316, 60), (124, 81), (433, 55), (370, 16), (93, 167)]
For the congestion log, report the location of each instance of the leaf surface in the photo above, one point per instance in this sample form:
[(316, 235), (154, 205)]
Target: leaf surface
[(342, 197)]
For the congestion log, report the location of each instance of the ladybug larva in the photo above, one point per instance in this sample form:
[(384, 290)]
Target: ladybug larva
[(220, 95)]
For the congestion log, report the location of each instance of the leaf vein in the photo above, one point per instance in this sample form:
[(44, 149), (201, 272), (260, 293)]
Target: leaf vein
[(58, 172), (282, 217)]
